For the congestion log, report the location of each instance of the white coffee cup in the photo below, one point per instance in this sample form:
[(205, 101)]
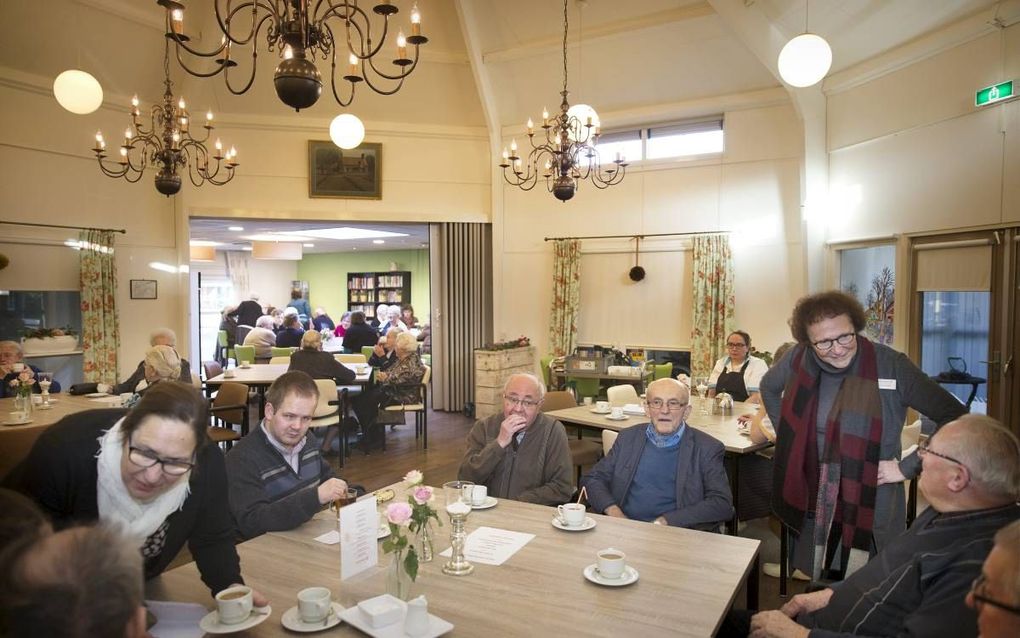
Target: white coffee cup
[(478, 494), (229, 374), (245, 364), (36, 399), (602, 406), (587, 400), (617, 412), (234, 604), (17, 367), (314, 603), (571, 514), (611, 563)]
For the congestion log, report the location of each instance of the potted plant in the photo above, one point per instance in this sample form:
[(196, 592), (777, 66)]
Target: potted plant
[(49, 340)]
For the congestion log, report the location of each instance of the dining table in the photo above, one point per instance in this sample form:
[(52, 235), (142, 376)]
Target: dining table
[(260, 376), (686, 580)]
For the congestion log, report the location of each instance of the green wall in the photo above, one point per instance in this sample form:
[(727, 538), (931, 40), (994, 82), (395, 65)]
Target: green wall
[(326, 274)]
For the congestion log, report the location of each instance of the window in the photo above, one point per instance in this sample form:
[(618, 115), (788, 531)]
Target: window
[(627, 143), (22, 310), (689, 139)]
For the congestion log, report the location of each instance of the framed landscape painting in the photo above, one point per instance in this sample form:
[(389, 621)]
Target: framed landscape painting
[(349, 174)]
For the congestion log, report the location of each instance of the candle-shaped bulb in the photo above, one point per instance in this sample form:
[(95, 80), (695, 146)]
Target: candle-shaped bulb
[(127, 134), (134, 100), (415, 20), (219, 146), (176, 137), (123, 152), (177, 21), (180, 104), (233, 152), (99, 137), (352, 61), (288, 52), (531, 126), (401, 46), (208, 116), (545, 114), (506, 154), (513, 146)]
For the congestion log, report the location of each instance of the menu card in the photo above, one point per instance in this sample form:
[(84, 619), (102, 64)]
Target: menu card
[(492, 546), (358, 526)]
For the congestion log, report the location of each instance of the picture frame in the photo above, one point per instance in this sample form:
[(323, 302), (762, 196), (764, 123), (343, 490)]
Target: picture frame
[(334, 172), (144, 288)]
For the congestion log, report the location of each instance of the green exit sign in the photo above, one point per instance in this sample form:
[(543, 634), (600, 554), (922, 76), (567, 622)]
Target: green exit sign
[(995, 93)]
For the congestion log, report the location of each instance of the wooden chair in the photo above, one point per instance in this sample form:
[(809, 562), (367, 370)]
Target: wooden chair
[(229, 408), (582, 451), (622, 394), (280, 360), (244, 354), (281, 352), (420, 409), (212, 369), (351, 358)]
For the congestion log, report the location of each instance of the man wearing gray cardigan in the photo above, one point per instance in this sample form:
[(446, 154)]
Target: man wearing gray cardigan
[(520, 453), (276, 477)]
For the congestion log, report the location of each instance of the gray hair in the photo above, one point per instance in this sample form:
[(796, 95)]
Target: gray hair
[(165, 361), (13, 345), (1007, 539), (406, 342), (290, 311), (166, 334), (265, 321), (535, 381), (991, 454), (311, 340), (393, 314)]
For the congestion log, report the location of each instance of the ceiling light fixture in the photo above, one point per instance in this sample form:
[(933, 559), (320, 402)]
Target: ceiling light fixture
[(78, 92), (568, 154), (167, 145), (378, 241), (805, 59), (298, 32), (236, 229), (347, 131)]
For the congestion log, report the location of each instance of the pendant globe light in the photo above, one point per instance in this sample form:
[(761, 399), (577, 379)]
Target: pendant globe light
[(805, 59), (78, 92), (347, 131)]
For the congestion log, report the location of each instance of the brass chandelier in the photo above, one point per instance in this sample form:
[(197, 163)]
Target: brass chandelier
[(299, 32), (568, 154), (168, 146)]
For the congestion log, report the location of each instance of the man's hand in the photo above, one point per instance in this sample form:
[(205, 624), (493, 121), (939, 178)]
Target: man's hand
[(806, 603), (332, 489), (510, 426), (745, 418), (615, 512), (773, 624), (889, 472)]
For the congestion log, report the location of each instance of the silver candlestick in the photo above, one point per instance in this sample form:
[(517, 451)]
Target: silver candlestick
[(458, 510)]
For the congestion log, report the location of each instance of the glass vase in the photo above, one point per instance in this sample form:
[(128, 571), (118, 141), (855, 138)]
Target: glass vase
[(23, 403), (398, 582), (423, 543)]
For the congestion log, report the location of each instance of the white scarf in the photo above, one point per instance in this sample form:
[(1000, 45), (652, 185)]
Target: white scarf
[(116, 505)]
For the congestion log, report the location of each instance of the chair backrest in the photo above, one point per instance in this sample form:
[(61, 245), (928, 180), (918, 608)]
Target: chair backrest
[(351, 358), (546, 372), (221, 338), (608, 438), (425, 378), (283, 360), (244, 354), (327, 393), (664, 370), (558, 400), (367, 351), (585, 387), (231, 393), (212, 369), (622, 394), (281, 352), (910, 434)]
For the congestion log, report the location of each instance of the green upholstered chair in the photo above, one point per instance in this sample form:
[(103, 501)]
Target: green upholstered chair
[(663, 370), (223, 353), (546, 372), (585, 387), (367, 351), (281, 352), (244, 354)]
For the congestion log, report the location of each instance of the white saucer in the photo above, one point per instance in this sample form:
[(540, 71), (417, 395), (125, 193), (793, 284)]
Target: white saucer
[(96, 395), (622, 418), (490, 501), (629, 575), (594, 411), (291, 619), (211, 624), (25, 422), (589, 523), (358, 619)]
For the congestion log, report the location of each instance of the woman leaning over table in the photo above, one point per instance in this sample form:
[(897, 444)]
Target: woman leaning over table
[(150, 471), (838, 402), (738, 373)]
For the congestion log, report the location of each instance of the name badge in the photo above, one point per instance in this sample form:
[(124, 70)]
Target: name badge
[(887, 384)]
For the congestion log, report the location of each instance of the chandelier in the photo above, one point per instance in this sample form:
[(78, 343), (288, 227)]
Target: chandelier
[(167, 145), (568, 153), (299, 34)]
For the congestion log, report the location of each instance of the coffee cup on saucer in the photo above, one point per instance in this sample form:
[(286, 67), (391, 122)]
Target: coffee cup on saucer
[(611, 563), (602, 406), (233, 604), (478, 494), (617, 412), (36, 399), (229, 374), (587, 401), (314, 604), (245, 365), (571, 514)]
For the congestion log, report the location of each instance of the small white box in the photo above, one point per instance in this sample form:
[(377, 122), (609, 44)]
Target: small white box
[(382, 610)]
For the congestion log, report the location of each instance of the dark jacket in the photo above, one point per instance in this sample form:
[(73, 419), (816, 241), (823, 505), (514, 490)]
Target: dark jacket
[(132, 382), (358, 336), (320, 365), (60, 474), (248, 312), (289, 338), (702, 489)]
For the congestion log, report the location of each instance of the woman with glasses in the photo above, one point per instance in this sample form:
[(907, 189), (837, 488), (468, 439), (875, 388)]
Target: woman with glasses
[(838, 402), (150, 471), (400, 383), (738, 373)]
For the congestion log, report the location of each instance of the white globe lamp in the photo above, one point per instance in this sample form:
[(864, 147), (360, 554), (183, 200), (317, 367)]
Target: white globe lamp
[(805, 60), (585, 115), (78, 92), (346, 131)]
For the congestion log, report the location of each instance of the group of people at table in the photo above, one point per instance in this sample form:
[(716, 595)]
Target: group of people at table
[(836, 399)]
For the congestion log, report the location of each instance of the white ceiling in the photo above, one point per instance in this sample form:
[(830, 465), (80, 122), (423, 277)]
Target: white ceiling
[(217, 230)]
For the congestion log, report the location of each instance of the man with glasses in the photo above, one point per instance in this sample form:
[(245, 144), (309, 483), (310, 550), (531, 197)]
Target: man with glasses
[(995, 594), (917, 584), (520, 453), (839, 402), (665, 472)]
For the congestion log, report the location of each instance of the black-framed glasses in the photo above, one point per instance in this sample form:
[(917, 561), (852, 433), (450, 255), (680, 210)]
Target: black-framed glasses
[(824, 345), (672, 405), (924, 447), (146, 459), (977, 590), (731, 344), (516, 402)]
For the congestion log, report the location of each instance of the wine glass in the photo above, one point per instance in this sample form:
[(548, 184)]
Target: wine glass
[(701, 385), (45, 381)]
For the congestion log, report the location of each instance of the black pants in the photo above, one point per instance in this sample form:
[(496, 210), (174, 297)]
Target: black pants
[(366, 408), (736, 624)]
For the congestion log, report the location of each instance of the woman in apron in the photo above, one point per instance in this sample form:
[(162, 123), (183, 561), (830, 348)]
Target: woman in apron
[(738, 373)]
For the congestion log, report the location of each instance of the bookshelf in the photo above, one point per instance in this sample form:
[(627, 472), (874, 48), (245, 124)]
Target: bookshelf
[(366, 290)]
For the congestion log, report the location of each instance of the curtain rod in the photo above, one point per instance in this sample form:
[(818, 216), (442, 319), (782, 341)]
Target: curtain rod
[(643, 236), (112, 230)]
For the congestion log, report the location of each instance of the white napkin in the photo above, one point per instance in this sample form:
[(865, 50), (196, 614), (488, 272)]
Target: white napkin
[(176, 620), (329, 538)]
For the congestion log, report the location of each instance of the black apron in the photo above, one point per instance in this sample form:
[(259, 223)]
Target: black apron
[(733, 383)]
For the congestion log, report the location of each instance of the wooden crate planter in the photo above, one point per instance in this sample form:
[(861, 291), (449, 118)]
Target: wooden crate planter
[(492, 369)]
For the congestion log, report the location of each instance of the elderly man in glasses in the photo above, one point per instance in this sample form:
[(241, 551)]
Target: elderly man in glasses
[(520, 453), (917, 584), (665, 472), (838, 402), (995, 594)]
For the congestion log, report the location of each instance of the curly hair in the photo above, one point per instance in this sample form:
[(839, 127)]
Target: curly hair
[(824, 305)]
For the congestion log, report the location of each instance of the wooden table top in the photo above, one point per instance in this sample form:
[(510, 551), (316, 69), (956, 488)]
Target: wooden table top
[(63, 405), (266, 373), (722, 427), (687, 579)]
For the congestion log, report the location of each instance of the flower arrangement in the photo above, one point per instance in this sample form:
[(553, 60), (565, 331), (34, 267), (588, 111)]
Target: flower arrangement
[(519, 342), (23, 382), (42, 333), (416, 514)]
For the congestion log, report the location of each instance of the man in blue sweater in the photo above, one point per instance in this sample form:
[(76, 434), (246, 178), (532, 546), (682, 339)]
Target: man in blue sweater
[(276, 476), (665, 472)]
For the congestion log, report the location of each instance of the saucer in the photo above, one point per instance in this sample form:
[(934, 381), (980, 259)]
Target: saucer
[(613, 418), (96, 395), (589, 523), (211, 624), (594, 411), (490, 501), (359, 619), (629, 575), (291, 619), (25, 422)]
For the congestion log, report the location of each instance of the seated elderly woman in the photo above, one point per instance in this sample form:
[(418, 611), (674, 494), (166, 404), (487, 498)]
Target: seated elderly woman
[(290, 335), (263, 338), (320, 365), (322, 321), (12, 366), (159, 337), (393, 321), (151, 471), (401, 383), (161, 363), (345, 322)]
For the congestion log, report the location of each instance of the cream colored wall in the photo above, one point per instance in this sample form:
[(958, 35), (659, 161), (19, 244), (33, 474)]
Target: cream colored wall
[(752, 190), (271, 280)]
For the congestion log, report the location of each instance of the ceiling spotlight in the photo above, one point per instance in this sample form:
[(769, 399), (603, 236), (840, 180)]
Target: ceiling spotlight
[(378, 241), (308, 245), (236, 229)]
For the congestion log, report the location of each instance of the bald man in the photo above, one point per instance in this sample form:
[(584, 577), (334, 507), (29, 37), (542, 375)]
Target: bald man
[(995, 595)]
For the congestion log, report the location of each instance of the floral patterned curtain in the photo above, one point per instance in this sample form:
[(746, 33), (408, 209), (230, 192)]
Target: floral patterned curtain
[(99, 332), (713, 301), (566, 296)]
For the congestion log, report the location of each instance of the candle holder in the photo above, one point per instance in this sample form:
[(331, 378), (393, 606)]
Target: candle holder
[(45, 380), (458, 509)]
